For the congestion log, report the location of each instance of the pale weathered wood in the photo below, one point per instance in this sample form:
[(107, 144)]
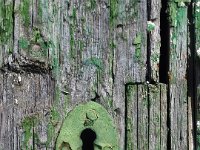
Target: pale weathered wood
[(56, 54), (146, 116), (154, 117), (177, 75), (197, 70), (132, 117), (163, 118), (154, 38), (143, 120)]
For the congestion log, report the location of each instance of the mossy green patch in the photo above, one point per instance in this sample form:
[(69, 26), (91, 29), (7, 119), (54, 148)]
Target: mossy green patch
[(76, 122)]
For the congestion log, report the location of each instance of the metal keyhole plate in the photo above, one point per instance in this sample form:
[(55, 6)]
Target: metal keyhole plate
[(93, 116)]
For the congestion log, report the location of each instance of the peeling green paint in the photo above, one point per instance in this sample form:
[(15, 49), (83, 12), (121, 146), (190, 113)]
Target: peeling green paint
[(24, 9), (40, 13), (137, 42), (183, 1), (97, 62), (28, 124), (91, 4), (113, 12), (150, 26), (197, 25), (173, 13), (23, 43), (72, 28), (6, 21), (75, 123), (36, 47)]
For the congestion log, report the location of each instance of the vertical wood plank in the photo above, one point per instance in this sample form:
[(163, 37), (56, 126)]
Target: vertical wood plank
[(153, 28), (163, 112), (143, 127), (196, 12), (177, 74), (190, 125), (154, 117), (131, 117), (6, 29)]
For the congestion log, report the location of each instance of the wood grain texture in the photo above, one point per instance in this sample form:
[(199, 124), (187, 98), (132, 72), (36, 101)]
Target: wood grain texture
[(146, 116), (56, 54), (154, 38), (177, 75)]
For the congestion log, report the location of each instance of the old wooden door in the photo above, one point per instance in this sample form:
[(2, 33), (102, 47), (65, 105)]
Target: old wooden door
[(136, 58)]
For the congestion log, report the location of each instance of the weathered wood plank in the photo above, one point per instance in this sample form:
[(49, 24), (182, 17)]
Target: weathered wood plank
[(154, 116), (143, 120), (153, 28), (177, 75), (197, 61), (190, 125), (26, 100), (6, 29), (131, 117), (163, 111)]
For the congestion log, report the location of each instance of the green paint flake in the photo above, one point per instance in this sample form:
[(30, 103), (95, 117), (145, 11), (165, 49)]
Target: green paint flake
[(27, 124), (6, 22), (113, 12), (72, 28), (173, 14), (24, 10), (75, 123), (150, 26), (40, 13), (137, 42), (197, 25), (97, 62), (23, 43), (182, 1), (91, 5)]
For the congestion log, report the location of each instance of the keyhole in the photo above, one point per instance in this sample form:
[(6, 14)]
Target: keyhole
[(88, 137)]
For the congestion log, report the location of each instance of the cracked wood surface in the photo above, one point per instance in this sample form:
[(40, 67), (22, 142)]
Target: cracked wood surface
[(56, 54)]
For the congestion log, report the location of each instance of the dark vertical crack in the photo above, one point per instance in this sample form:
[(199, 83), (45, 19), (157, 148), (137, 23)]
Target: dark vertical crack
[(13, 17), (164, 60), (148, 98), (165, 42), (148, 75), (191, 73), (126, 121)]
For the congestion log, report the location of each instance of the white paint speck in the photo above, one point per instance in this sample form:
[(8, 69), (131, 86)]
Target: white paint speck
[(198, 52), (16, 101), (198, 4), (198, 124), (19, 78), (182, 4)]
